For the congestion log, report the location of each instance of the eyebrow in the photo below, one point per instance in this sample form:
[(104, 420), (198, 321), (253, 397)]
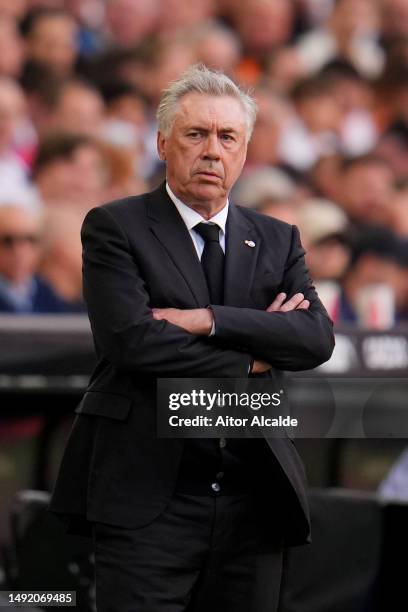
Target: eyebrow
[(205, 129)]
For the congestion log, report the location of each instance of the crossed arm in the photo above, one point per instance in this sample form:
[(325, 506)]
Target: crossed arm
[(199, 321), (294, 334)]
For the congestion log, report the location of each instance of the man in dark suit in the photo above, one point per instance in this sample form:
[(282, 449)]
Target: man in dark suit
[(181, 283)]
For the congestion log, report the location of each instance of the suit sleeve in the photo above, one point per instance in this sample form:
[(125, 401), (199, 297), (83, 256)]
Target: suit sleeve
[(124, 330), (296, 340)]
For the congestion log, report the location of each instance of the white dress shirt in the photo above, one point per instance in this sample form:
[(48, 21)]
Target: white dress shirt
[(191, 218)]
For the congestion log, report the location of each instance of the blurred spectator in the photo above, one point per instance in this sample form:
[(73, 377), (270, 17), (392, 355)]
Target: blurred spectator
[(262, 185), (357, 129), (400, 211), (61, 256), (125, 102), (351, 32), (21, 290), (263, 26), (123, 178), (217, 47), (331, 82), (128, 22), (272, 119), (184, 14), (394, 141), (378, 259), (51, 39), (395, 19), (366, 190), (78, 109), (11, 48), (314, 129), (70, 169), (15, 9), (13, 169), (323, 228)]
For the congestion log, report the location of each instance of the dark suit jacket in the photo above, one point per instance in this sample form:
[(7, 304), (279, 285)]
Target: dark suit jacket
[(138, 254)]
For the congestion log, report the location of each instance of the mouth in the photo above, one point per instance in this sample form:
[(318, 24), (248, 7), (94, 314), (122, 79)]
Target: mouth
[(208, 174)]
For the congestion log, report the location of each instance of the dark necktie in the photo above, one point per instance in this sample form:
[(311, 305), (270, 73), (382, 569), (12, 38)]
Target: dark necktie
[(212, 260)]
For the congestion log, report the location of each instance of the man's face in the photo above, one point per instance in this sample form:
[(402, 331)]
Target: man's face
[(19, 244), (206, 148)]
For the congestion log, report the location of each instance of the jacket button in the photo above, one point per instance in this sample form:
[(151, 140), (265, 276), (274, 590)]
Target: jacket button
[(223, 443)]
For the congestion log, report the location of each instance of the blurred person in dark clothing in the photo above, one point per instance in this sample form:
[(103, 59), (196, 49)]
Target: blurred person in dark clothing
[(51, 39), (379, 257), (393, 145), (21, 290), (366, 188), (61, 256), (70, 169)]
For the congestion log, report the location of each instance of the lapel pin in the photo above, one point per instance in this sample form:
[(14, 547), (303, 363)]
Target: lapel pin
[(250, 243)]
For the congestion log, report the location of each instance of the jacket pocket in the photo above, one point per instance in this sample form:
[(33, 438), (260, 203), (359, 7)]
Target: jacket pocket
[(110, 405)]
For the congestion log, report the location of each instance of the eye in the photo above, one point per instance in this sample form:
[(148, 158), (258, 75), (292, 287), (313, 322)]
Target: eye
[(227, 137), (194, 134)]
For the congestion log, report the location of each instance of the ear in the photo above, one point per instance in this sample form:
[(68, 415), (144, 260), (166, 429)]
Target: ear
[(161, 146)]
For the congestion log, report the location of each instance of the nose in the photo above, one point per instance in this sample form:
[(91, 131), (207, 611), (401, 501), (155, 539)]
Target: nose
[(211, 150)]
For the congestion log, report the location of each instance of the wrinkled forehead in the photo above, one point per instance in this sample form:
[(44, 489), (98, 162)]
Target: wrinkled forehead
[(225, 112)]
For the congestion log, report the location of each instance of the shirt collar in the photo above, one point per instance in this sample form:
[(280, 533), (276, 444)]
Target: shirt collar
[(191, 217)]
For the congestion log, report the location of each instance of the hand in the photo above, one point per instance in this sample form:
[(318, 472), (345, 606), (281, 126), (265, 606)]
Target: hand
[(259, 367), (196, 321), (297, 302)]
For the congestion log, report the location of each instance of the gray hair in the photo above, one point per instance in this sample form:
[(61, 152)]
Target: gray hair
[(200, 79)]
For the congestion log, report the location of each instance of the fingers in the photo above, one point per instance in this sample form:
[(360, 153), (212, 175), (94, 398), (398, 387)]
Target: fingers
[(292, 303), (277, 303), (303, 305), (296, 302)]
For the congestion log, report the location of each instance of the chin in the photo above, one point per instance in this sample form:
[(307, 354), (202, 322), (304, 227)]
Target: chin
[(207, 192)]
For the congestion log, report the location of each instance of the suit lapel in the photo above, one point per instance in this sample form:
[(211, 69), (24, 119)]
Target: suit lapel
[(169, 228), (242, 249)]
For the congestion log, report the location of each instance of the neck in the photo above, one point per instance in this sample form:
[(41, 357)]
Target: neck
[(206, 208)]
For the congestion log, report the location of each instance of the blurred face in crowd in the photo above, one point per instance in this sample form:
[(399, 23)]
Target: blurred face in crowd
[(175, 57), (19, 243), (53, 42), (15, 9), (355, 18), (80, 110), (264, 25), (129, 21), (395, 15), (273, 112), (11, 48), (177, 14), (12, 108), (367, 190), (78, 179), (205, 149), (328, 259), (218, 50), (320, 113)]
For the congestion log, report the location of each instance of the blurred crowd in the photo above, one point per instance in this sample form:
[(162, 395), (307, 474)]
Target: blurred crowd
[(79, 85)]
